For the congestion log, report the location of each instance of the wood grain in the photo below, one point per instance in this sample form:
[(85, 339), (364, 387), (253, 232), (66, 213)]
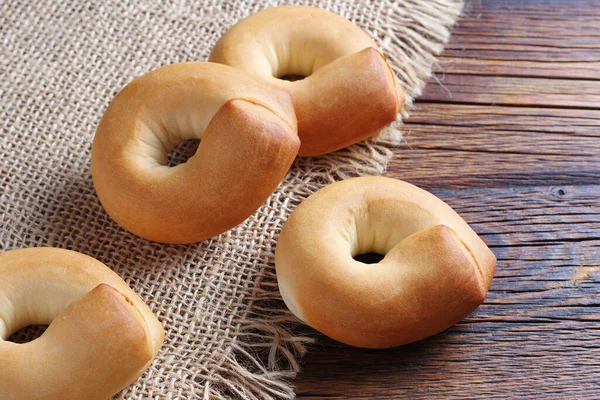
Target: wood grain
[(489, 146), (511, 140), (502, 90), (557, 39)]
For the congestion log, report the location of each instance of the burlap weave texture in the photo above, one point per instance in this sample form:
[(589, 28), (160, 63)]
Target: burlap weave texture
[(61, 62)]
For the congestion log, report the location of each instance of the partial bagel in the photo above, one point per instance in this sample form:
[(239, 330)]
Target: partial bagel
[(249, 141), (101, 337), (436, 270), (350, 92)]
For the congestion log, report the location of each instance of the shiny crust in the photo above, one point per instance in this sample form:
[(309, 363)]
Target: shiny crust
[(101, 337), (349, 93), (249, 141), (436, 269)]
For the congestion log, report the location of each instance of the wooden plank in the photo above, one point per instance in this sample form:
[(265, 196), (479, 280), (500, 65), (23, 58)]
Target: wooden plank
[(561, 121), (534, 38), (451, 145), (501, 90), (518, 65), (536, 335)]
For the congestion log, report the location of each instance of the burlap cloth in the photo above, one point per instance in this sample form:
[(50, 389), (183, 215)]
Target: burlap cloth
[(61, 62)]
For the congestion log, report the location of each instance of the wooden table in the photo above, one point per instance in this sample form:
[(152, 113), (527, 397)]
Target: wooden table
[(511, 140)]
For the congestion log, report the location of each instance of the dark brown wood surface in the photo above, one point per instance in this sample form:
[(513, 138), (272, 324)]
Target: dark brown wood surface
[(510, 138)]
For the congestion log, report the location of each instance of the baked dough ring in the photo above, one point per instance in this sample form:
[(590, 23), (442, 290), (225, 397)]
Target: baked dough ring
[(101, 337), (249, 141), (436, 270), (349, 94)]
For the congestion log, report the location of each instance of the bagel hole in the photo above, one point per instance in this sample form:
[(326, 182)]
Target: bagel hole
[(369, 258), (182, 152), (28, 334), (292, 77)]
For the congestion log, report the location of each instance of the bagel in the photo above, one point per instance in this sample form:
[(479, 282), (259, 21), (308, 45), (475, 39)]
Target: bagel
[(101, 337), (349, 92), (436, 270), (249, 140)]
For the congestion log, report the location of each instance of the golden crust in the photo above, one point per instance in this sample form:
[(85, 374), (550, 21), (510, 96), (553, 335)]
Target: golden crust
[(101, 337), (349, 94), (249, 141), (436, 270)]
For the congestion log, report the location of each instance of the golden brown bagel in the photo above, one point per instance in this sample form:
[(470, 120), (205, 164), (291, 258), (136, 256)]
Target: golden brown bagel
[(101, 337), (249, 140), (349, 94), (436, 270)]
